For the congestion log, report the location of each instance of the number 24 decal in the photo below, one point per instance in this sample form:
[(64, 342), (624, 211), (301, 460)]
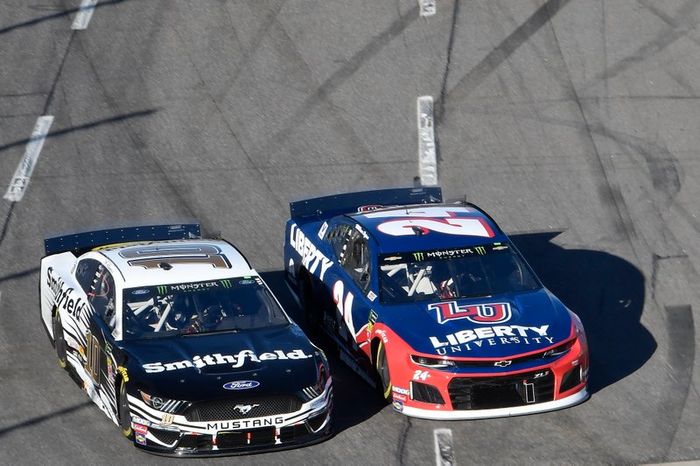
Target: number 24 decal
[(420, 375), (344, 305)]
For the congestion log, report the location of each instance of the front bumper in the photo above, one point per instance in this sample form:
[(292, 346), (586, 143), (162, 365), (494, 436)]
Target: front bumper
[(475, 390), (172, 435), (204, 446), (571, 400)]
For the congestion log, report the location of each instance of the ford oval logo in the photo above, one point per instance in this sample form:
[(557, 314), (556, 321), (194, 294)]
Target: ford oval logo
[(241, 384)]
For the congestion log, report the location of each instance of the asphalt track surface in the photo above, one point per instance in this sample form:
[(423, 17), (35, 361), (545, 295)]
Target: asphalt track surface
[(576, 123)]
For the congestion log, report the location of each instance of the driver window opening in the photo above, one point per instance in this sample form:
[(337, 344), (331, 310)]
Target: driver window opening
[(356, 261)]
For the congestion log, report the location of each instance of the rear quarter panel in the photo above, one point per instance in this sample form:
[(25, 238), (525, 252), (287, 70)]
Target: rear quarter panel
[(54, 270)]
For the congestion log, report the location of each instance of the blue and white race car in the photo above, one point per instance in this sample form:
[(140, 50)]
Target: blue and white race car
[(181, 343), (434, 303)]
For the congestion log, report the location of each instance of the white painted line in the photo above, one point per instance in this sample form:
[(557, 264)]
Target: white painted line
[(20, 180), (87, 8), (428, 7), (675, 463), (444, 454), (427, 159)]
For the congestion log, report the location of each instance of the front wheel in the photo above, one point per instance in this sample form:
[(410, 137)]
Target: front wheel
[(382, 367), (311, 314), (59, 341), (124, 412)]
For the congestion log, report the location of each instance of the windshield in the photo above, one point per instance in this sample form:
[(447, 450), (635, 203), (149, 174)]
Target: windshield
[(476, 271), (199, 307)]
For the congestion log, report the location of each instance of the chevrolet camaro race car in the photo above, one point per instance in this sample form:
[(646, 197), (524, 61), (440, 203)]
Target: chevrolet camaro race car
[(181, 343), (434, 303)]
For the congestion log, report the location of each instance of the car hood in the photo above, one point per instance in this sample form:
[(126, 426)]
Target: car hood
[(501, 326), (264, 362)]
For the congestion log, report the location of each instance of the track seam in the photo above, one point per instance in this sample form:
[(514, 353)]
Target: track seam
[(401, 453), (448, 61), (182, 201), (47, 103), (233, 133), (618, 201)]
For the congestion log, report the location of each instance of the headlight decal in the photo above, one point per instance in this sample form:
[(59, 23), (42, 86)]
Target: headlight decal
[(161, 404)]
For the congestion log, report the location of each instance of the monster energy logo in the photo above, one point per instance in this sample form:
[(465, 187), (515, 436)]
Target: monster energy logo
[(480, 250), (226, 283), (162, 289), (419, 256)]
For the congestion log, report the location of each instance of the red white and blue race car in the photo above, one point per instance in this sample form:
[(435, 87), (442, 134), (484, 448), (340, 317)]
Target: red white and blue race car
[(434, 303)]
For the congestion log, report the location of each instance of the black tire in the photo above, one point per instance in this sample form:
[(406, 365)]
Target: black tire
[(311, 314), (59, 341), (124, 412), (383, 375)]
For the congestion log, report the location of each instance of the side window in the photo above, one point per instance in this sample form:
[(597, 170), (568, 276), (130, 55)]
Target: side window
[(85, 273), (102, 295), (338, 238), (356, 260)]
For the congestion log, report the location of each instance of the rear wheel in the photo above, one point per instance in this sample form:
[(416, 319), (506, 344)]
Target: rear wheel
[(124, 412), (382, 367), (59, 341)]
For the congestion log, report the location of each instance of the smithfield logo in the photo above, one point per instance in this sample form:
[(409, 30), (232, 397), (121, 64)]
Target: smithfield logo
[(242, 385), (233, 360), (494, 313)]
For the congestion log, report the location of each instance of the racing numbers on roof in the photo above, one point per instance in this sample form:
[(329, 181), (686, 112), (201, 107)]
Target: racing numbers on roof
[(459, 221), (152, 256)]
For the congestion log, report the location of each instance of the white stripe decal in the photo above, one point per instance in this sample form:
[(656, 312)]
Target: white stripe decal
[(444, 454), (20, 180), (427, 157), (71, 332), (166, 408), (70, 326), (428, 7), (82, 19)]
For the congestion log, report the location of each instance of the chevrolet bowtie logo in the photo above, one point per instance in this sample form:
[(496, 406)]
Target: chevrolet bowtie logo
[(504, 363), (244, 409)]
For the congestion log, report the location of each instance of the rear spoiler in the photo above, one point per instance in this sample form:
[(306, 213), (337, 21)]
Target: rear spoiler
[(79, 243), (321, 208)]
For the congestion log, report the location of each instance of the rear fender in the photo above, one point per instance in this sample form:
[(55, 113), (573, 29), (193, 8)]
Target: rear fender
[(54, 269)]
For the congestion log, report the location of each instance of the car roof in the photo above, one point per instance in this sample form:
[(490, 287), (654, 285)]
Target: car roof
[(426, 227), (141, 263)]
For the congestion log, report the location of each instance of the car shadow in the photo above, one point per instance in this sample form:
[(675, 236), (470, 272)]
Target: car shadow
[(606, 292), (354, 401)]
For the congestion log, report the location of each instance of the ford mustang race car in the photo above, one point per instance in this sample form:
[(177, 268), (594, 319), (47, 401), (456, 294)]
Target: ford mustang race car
[(434, 304), (181, 343)]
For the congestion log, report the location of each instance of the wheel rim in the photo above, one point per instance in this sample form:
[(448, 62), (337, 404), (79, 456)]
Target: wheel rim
[(59, 341), (383, 371)]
